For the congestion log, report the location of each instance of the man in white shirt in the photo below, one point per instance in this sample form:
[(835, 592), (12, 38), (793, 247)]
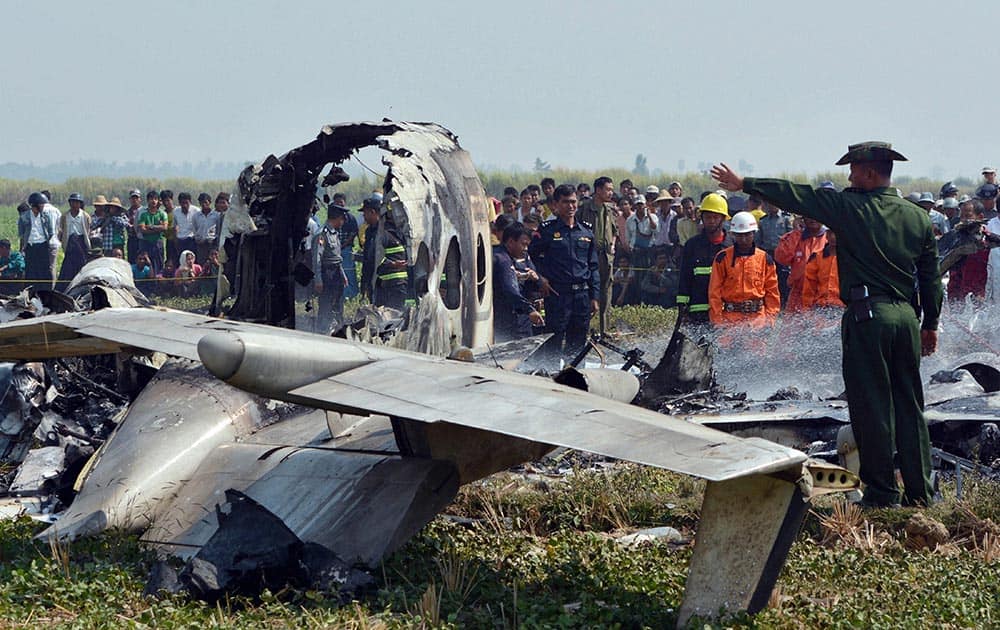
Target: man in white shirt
[(42, 243), (665, 215), (74, 236), (640, 228), (204, 228), (183, 223)]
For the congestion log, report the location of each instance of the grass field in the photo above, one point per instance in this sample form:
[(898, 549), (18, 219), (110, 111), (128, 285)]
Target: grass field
[(544, 554), (8, 224)]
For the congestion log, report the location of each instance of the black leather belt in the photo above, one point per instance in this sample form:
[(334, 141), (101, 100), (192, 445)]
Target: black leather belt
[(572, 287), (746, 306)]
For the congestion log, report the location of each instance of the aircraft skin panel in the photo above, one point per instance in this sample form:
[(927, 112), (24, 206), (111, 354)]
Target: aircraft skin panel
[(321, 495), (535, 409)]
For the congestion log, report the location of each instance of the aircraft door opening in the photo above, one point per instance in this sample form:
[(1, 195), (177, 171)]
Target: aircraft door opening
[(451, 283)]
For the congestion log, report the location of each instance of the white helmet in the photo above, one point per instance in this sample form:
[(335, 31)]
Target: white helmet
[(743, 222)]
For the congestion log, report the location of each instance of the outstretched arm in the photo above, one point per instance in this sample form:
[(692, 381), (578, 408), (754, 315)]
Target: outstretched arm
[(727, 177)]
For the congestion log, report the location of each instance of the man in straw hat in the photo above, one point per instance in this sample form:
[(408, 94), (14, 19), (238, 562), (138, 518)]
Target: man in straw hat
[(111, 222), (885, 249)]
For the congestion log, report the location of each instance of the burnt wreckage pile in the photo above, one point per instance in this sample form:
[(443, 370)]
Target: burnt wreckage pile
[(55, 414), (52, 424)]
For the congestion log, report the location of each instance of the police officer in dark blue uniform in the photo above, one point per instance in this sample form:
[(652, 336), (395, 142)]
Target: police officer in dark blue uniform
[(566, 254), (330, 279)]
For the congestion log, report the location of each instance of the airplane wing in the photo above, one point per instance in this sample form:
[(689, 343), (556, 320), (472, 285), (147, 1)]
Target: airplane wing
[(537, 409), (343, 376)]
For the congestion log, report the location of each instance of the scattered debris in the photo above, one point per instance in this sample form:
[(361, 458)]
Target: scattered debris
[(653, 534), (789, 393)]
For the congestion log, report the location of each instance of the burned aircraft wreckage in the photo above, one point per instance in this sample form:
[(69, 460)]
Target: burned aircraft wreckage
[(249, 448)]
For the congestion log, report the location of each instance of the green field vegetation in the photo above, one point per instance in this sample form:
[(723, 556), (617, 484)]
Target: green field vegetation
[(8, 224), (541, 552)]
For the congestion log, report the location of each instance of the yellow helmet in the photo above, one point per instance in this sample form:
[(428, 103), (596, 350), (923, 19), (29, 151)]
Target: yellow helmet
[(714, 203)]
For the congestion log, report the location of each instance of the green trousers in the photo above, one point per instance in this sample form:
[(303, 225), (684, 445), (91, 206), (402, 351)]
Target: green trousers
[(605, 264), (886, 400)]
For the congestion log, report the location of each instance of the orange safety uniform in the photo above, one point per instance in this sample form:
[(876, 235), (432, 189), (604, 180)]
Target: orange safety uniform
[(794, 250), (821, 286), (743, 289)]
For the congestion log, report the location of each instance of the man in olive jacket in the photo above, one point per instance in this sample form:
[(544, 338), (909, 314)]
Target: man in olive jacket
[(599, 213), (886, 248)]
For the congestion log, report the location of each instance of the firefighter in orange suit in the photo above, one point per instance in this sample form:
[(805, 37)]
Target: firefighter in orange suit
[(821, 287), (744, 283), (794, 250)]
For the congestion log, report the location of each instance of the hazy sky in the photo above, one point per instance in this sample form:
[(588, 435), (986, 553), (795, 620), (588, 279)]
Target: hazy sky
[(783, 85)]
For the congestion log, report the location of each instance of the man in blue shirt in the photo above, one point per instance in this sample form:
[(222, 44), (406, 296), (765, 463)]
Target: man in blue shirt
[(566, 254)]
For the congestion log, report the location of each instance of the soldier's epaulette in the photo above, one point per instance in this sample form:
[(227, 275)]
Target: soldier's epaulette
[(546, 222), (586, 225), (720, 257)]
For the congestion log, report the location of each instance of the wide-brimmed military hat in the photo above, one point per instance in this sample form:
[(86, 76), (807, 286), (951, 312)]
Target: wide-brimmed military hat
[(870, 152)]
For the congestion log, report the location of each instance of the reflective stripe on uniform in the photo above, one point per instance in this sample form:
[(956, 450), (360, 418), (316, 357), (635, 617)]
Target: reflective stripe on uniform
[(397, 275), (395, 249), (683, 299), (698, 308), (703, 271)]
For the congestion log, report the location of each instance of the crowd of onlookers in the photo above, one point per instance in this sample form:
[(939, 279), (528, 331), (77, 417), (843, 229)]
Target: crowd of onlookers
[(654, 224), (171, 246)]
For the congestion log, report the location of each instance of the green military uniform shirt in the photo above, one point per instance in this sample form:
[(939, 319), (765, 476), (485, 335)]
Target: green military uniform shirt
[(602, 218), (879, 236)]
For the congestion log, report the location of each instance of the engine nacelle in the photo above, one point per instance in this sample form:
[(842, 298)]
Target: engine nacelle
[(272, 365)]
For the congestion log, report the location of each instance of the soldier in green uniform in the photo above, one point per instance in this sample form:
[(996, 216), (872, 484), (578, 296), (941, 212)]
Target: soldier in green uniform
[(886, 253), (599, 212)]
